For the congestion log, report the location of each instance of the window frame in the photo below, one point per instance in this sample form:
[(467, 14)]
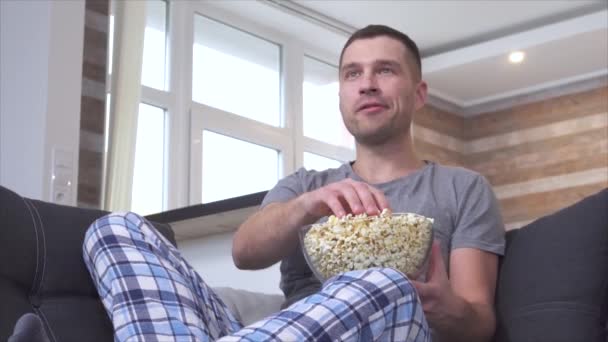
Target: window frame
[(288, 139), (186, 119)]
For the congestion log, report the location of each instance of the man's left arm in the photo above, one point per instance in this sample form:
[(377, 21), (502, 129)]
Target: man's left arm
[(460, 307)]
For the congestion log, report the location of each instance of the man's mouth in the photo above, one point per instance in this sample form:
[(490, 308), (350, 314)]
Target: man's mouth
[(371, 107)]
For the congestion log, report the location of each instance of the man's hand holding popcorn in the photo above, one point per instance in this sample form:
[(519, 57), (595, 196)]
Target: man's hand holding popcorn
[(343, 197)]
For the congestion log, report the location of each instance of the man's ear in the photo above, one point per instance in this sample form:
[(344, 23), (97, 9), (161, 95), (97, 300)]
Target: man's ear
[(420, 95)]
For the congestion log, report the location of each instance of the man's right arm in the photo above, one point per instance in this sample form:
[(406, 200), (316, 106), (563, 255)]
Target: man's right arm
[(271, 234)]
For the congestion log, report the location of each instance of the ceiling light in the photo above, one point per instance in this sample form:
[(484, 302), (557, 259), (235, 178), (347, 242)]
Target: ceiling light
[(516, 57)]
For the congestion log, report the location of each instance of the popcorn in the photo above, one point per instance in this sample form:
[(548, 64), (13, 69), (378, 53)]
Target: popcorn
[(400, 241)]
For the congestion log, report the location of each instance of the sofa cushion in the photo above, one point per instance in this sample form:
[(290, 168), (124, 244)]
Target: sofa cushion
[(42, 269), (249, 307), (553, 281)]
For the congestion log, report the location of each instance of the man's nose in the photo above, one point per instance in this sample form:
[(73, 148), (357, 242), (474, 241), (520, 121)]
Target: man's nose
[(369, 85)]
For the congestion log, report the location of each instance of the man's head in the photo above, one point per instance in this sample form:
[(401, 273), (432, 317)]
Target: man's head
[(373, 31), (380, 84)]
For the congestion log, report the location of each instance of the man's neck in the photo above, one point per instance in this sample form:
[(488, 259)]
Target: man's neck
[(381, 164)]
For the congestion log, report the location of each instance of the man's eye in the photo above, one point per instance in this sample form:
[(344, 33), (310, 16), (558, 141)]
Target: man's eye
[(385, 71), (352, 74)]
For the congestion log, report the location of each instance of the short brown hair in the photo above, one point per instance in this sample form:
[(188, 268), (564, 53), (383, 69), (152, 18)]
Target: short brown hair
[(373, 31)]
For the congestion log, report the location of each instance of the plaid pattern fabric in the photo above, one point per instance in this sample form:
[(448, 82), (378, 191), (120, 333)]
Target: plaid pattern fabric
[(149, 291), (377, 304), (152, 294)]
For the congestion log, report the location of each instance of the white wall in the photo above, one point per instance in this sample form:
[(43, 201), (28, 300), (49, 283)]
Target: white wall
[(40, 85), (211, 258), (64, 90), (24, 57)]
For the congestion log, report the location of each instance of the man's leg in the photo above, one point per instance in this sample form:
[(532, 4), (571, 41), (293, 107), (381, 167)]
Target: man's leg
[(377, 304), (149, 291)]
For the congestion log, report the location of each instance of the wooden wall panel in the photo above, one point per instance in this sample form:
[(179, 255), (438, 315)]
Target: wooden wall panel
[(440, 121), (92, 109), (438, 154), (539, 157), (532, 206), (537, 114), (544, 156)]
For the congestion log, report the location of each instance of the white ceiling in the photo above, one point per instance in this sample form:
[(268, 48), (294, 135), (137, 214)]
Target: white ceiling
[(553, 63), (440, 26), (464, 44)]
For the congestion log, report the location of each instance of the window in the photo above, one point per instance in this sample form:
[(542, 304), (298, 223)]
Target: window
[(235, 71), (322, 118), (316, 162), (153, 71), (229, 106), (233, 167), (148, 174)]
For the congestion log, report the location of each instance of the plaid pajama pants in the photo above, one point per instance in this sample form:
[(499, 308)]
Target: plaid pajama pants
[(152, 294)]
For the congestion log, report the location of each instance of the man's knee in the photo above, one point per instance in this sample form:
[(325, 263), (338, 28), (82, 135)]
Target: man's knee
[(386, 279), (109, 228)]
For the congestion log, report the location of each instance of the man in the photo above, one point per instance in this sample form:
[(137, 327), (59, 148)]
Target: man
[(151, 293), (380, 89)]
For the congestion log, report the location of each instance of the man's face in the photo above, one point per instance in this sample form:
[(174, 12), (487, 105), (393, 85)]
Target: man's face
[(378, 90)]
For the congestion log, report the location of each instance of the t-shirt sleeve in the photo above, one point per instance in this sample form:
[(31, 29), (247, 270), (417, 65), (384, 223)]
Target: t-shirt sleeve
[(479, 224), (286, 189)]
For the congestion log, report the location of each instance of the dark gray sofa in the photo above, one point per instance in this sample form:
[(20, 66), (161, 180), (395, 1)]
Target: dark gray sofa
[(553, 281), (41, 269)]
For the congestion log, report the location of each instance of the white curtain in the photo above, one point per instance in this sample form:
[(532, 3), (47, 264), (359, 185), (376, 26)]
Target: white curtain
[(129, 28)]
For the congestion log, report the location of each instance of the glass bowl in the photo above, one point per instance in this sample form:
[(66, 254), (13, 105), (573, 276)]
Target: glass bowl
[(399, 240)]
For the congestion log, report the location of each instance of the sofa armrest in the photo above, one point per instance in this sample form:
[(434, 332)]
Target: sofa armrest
[(553, 279)]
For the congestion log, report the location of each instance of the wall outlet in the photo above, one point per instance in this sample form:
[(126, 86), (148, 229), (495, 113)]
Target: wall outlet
[(62, 176)]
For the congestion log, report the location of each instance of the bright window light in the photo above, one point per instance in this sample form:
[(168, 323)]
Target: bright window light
[(153, 71), (148, 174), (322, 118), (235, 71), (233, 167)]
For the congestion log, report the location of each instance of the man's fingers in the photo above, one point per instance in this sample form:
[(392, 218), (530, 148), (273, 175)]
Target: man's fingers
[(351, 197), (379, 197), (421, 288), (354, 197), (367, 199), (335, 205)]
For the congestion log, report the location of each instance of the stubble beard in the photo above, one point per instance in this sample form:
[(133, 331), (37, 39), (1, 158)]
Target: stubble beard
[(380, 135), (396, 125)]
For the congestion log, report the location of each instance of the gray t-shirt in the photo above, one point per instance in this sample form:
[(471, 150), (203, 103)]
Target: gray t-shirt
[(460, 201)]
